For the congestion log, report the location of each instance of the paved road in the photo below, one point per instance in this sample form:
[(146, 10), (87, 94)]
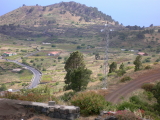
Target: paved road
[(124, 90), (36, 74)]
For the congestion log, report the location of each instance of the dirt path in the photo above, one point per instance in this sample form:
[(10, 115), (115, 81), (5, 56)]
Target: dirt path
[(123, 90)]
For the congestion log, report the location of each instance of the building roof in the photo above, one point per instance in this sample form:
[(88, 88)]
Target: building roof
[(53, 52), (141, 53), (8, 53)]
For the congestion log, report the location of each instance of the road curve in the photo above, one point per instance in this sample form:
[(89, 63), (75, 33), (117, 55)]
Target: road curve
[(36, 74), (123, 90)]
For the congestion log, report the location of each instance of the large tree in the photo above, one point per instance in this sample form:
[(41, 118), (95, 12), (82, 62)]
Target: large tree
[(79, 79), (74, 61), (77, 76), (138, 63)]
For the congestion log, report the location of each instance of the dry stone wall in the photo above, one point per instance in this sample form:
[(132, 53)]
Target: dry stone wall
[(53, 110)]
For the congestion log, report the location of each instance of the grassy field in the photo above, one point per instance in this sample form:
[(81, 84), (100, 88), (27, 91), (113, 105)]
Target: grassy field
[(14, 79)]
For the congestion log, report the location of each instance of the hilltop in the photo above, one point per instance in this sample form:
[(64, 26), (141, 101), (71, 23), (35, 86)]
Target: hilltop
[(64, 13), (54, 22)]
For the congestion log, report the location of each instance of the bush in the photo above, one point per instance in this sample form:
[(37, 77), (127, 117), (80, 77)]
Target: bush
[(53, 46), (127, 105), (147, 67), (126, 115), (89, 102), (99, 74), (153, 55), (126, 78), (139, 103), (147, 86), (112, 74), (3, 87), (157, 60), (67, 96)]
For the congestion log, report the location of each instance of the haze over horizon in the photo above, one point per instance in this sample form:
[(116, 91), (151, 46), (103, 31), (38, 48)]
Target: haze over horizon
[(137, 12)]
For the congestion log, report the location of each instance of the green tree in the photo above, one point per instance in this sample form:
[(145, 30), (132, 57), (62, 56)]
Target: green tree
[(112, 67), (74, 61), (79, 79), (77, 76), (121, 66), (97, 56), (3, 87), (138, 63)]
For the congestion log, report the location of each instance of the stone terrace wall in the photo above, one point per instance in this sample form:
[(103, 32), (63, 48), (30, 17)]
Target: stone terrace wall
[(54, 111)]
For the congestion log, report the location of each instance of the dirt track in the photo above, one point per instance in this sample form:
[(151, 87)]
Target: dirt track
[(123, 90)]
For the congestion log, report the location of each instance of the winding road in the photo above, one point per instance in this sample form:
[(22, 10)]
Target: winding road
[(36, 74), (116, 95)]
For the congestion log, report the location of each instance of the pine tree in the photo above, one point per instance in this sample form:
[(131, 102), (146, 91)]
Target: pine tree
[(121, 70), (138, 63), (121, 66), (77, 76)]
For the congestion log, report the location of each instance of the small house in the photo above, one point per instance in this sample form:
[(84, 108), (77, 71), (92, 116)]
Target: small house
[(55, 53), (9, 54), (46, 43), (142, 54)]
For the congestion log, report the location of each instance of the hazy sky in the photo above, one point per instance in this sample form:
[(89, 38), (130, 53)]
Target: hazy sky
[(127, 12)]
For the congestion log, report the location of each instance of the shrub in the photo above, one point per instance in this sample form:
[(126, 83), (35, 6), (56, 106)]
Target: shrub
[(147, 67), (127, 105), (126, 78), (153, 55), (157, 60), (53, 46), (67, 96), (147, 86), (126, 115), (149, 95), (139, 103), (112, 74), (99, 74), (3, 87), (89, 102)]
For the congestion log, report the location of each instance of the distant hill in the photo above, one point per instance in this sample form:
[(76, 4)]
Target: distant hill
[(64, 13), (54, 22)]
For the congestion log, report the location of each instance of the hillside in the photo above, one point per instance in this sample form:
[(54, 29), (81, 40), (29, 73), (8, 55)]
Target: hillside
[(54, 23), (71, 22), (64, 13)]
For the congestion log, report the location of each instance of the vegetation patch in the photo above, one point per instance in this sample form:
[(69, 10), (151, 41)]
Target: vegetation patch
[(46, 78), (89, 102), (126, 78)]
